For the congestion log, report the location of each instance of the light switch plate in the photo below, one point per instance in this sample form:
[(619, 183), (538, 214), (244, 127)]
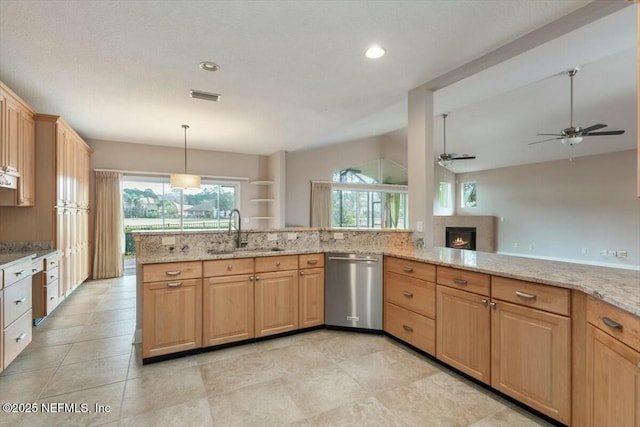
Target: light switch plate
[(272, 237), (292, 236), (168, 240), (420, 226)]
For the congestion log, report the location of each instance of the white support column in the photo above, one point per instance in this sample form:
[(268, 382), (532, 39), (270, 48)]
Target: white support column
[(421, 158)]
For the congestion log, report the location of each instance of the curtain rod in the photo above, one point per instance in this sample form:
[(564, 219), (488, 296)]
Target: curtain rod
[(221, 178)]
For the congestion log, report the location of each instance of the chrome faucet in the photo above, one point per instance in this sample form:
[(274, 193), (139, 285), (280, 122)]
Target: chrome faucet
[(239, 242)]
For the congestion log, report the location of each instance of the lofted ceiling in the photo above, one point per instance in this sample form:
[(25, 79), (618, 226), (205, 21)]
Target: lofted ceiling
[(293, 74)]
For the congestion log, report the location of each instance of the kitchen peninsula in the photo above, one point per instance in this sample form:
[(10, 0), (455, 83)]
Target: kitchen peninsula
[(532, 329)]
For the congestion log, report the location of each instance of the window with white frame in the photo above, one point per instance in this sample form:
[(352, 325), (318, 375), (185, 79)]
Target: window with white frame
[(444, 195), (469, 193)]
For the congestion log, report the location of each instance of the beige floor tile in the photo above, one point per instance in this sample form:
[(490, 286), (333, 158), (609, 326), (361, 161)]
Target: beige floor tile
[(98, 349), (231, 374), (152, 392), (91, 407), (106, 330), (300, 338), (56, 321), (24, 386), (66, 309), (294, 360), (81, 299), (35, 358), (137, 370), (109, 316), (388, 369), (264, 404), (510, 417), (322, 389), (226, 353), (441, 399), (84, 375), (113, 303), (348, 345), (365, 412), (195, 413), (43, 338)]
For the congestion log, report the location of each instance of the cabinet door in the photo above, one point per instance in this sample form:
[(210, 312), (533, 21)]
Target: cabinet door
[(12, 134), (531, 358), (61, 166), (171, 317), (227, 312), (26, 162), (276, 299), (613, 381), (311, 304), (463, 332)]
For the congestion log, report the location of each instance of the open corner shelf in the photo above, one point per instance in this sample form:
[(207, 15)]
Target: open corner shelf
[(261, 183), (261, 217), (262, 200)]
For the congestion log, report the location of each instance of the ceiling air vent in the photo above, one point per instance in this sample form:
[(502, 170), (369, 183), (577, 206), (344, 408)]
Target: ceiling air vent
[(204, 95)]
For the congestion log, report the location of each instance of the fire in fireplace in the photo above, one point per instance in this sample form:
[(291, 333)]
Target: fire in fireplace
[(461, 237)]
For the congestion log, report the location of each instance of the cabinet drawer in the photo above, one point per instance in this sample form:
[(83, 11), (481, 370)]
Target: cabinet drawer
[(417, 330), (37, 266), (172, 271), (410, 293), (543, 297), (52, 275), (311, 261), (416, 269), (16, 337), (470, 281), (276, 263), (17, 300), (52, 262), (51, 294), (615, 322), (227, 267), (17, 272)]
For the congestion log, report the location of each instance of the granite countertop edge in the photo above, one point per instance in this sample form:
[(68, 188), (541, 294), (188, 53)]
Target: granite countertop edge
[(9, 259)]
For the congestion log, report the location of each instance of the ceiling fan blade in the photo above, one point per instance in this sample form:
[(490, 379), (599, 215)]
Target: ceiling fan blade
[(549, 134), (609, 132), (544, 140), (592, 128), (463, 157)]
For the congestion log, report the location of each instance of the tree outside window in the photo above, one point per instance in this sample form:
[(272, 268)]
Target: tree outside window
[(469, 195)]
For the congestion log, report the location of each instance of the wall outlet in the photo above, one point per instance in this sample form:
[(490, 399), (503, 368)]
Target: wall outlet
[(531, 246), (272, 237), (622, 254), (515, 245), (292, 236), (584, 251), (501, 219), (338, 236), (168, 240), (611, 253), (420, 226)]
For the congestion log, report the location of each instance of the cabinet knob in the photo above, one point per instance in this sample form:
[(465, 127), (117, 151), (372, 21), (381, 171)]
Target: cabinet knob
[(302, 273), (257, 277), (229, 267), (278, 264), (484, 302), (492, 305)]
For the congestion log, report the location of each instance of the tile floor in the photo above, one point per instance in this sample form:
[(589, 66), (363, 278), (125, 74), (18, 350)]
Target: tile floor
[(83, 354)]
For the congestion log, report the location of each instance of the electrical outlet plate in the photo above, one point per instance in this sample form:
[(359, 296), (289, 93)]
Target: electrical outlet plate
[(272, 237), (168, 240), (292, 236), (338, 236), (611, 253), (420, 226), (622, 254)]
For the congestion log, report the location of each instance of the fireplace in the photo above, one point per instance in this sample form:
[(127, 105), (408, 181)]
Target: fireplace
[(461, 238)]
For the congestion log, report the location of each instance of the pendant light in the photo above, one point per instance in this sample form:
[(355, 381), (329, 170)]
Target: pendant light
[(183, 180)]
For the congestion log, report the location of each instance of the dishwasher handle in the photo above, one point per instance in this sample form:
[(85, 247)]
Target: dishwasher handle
[(344, 258)]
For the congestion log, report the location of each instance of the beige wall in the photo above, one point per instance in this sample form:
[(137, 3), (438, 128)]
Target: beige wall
[(152, 158), (555, 209), (318, 164)]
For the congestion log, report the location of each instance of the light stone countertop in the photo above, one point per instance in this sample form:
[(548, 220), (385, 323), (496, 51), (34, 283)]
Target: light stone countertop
[(7, 260), (616, 286)]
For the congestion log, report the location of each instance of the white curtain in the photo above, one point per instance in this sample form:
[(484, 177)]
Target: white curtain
[(109, 231), (321, 204)]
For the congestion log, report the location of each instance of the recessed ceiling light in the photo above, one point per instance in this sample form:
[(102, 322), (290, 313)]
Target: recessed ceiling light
[(209, 66), (374, 52)]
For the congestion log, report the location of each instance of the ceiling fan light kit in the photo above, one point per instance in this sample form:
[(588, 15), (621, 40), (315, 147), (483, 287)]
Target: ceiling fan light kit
[(574, 135), (446, 159)]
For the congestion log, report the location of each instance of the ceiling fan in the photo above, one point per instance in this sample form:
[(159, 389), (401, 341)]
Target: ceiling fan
[(445, 159), (574, 135)]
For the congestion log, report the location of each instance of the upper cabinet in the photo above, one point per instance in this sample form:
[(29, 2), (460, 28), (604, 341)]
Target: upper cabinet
[(17, 148)]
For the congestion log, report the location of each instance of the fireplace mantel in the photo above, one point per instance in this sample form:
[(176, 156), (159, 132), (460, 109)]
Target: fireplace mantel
[(485, 229)]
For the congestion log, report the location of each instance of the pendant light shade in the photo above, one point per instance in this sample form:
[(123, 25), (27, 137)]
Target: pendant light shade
[(184, 180)]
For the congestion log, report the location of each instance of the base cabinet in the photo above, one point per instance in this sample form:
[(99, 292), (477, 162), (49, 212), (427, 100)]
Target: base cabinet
[(227, 314), (311, 297), (531, 358), (171, 316), (464, 332), (276, 302)]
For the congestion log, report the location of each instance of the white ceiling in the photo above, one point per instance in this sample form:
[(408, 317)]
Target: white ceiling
[(293, 74)]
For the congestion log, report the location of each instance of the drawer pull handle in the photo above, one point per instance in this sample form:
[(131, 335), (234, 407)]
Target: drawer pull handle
[(229, 267), (52, 277), (174, 284), (312, 261), (19, 273), (459, 281), (21, 337), (18, 301), (173, 273), (51, 298), (408, 294), (611, 323), (525, 295), (408, 270), (33, 270), (407, 328), (302, 273), (51, 262), (278, 264)]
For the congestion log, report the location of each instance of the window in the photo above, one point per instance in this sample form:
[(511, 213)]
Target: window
[(355, 208), (445, 194), (151, 204), (469, 195)]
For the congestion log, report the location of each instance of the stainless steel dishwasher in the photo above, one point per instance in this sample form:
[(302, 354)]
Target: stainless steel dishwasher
[(353, 290)]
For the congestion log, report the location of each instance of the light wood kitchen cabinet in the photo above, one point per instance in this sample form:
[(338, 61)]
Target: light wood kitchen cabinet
[(11, 134), (276, 302), (464, 331), (26, 161), (531, 358), (227, 313), (1, 317), (45, 286), (612, 366), (311, 295)]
